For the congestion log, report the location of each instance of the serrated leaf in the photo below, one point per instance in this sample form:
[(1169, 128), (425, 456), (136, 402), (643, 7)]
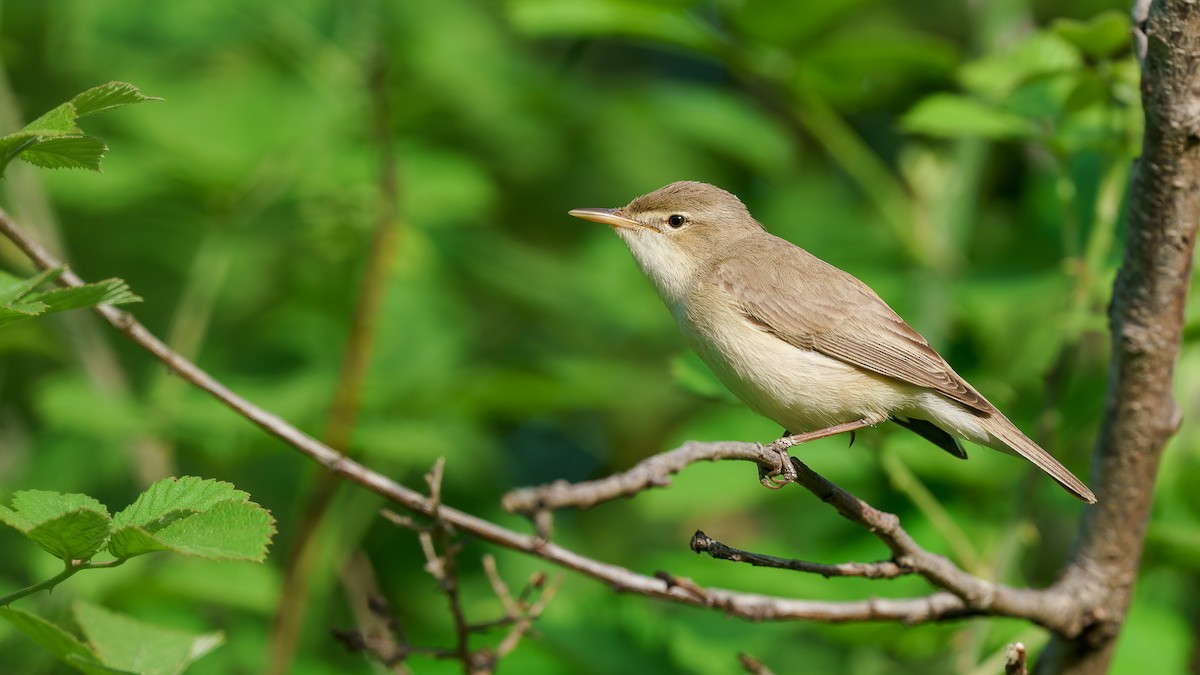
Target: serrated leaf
[(228, 531), (193, 516), (123, 642), (105, 292), (108, 96), (1104, 35), (18, 299), (55, 640), (162, 501), (53, 141), (69, 526), (14, 288), (58, 121), (12, 145), (953, 116), (66, 152), (17, 311)]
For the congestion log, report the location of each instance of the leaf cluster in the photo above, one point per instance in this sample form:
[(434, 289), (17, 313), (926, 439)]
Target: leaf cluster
[(189, 515)]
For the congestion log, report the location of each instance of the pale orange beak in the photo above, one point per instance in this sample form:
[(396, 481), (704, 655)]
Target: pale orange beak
[(610, 217)]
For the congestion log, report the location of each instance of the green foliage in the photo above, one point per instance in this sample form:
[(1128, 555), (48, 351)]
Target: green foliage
[(70, 527), (115, 643), (121, 642), (53, 141), (192, 516), (525, 346), (1069, 87), (188, 515), (21, 299)]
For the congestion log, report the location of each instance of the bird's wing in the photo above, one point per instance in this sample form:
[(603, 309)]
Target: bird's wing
[(837, 315)]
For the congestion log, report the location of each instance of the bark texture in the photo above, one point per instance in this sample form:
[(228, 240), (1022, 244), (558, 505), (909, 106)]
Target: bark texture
[(1146, 316)]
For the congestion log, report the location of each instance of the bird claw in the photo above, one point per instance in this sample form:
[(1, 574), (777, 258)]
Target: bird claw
[(773, 479)]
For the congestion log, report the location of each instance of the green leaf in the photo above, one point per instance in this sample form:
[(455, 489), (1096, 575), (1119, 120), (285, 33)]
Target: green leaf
[(53, 141), (12, 145), (17, 311), (1104, 35), (14, 288), (954, 116), (192, 516), (107, 97), (66, 152), (18, 299), (69, 526), (135, 646), (106, 292), (55, 640), (1040, 54), (59, 121)]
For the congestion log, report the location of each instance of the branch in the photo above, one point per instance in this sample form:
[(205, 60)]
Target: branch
[(1146, 315), (655, 471), (884, 569), (753, 666), (1050, 608), (971, 596)]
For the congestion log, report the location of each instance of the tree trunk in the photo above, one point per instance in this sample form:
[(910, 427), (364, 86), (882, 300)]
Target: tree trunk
[(1146, 316)]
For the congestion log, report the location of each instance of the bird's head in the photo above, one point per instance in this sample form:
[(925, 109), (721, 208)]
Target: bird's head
[(677, 230)]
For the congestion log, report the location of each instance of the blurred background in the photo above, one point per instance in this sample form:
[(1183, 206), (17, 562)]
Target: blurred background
[(968, 160)]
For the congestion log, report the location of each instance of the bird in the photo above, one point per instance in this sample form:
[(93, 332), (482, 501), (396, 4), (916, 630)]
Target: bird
[(798, 340)]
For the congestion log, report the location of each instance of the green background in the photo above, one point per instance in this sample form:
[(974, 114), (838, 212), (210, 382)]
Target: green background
[(524, 346)]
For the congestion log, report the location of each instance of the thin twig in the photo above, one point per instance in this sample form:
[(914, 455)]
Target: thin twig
[(511, 608), (753, 665), (521, 618), (884, 569), (1052, 608), (403, 521), (1014, 659)]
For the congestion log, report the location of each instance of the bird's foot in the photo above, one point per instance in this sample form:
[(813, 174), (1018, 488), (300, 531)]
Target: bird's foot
[(786, 473), (773, 479)]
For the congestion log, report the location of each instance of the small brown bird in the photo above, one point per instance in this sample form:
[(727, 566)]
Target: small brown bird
[(798, 340)]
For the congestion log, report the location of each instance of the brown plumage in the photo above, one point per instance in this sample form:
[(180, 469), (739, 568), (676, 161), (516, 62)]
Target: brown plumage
[(798, 340)]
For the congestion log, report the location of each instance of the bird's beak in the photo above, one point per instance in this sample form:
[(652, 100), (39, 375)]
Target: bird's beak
[(610, 217)]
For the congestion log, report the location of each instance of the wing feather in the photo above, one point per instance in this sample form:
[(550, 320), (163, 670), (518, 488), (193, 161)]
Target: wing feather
[(816, 306)]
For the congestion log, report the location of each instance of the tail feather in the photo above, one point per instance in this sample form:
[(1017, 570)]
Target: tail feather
[(1008, 434)]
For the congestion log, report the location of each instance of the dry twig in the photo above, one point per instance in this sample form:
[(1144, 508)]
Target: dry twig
[(884, 569)]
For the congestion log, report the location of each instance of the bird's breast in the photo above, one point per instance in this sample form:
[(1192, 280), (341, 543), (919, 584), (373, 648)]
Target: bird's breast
[(800, 389)]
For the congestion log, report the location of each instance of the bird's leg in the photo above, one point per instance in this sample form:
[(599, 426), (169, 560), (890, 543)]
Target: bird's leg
[(786, 473)]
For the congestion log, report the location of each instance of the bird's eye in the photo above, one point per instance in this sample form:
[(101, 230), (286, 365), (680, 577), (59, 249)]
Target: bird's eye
[(676, 221)]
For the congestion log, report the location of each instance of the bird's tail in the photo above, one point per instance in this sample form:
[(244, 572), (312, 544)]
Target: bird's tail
[(1016, 442)]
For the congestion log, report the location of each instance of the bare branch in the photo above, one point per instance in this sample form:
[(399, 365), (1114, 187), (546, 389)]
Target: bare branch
[(753, 665), (1050, 608), (499, 587), (403, 521), (884, 569), (1014, 659), (653, 472)]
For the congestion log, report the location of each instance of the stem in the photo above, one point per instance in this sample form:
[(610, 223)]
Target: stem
[(57, 579)]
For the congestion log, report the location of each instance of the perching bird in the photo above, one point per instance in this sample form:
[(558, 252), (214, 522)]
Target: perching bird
[(798, 340)]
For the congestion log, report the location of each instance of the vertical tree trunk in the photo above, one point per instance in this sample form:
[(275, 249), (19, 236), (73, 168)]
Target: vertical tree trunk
[(1146, 316)]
